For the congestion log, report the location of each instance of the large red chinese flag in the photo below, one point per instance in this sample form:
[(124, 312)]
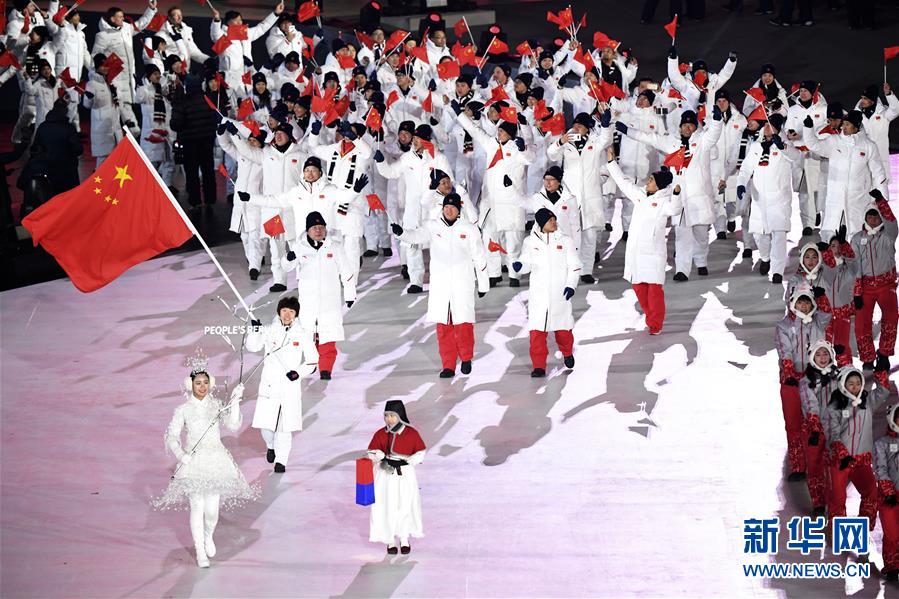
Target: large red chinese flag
[(118, 217), (448, 69)]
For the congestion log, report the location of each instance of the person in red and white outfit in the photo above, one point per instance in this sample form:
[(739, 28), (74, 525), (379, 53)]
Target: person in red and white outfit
[(886, 469)]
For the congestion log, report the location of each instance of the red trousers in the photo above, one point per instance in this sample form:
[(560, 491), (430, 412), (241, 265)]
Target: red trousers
[(327, 355), (889, 521), (860, 474), (817, 478), (564, 339), (651, 297), (455, 342), (792, 410), (841, 328), (885, 297)]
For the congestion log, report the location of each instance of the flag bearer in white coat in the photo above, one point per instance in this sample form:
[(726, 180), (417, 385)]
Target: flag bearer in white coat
[(552, 260), (458, 263), (289, 356), (646, 254), (396, 449), (322, 270), (769, 166), (692, 228)]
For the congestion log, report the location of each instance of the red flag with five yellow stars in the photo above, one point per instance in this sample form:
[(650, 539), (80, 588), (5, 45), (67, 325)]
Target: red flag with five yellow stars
[(118, 217)]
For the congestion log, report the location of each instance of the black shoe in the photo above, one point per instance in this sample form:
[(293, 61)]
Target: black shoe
[(883, 362), (764, 267), (404, 272), (538, 373), (777, 278), (494, 281), (681, 277), (569, 361), (369, 253), (466, 367), (277, 288), (406, 549), (747, 252), (819, 512), (280, 468), (818, 220), (806, 231), (414, 289), (446, 373), (779, 23), (721, 235), (325, 375), (270, 456), (892, 575), (624, 236), (609, 227), (588, 279), (868, 366), (731, 226), (514, 282), (702, 271), (392, 551), (254, 274), (504, 268), (795, 477), (387, 252)]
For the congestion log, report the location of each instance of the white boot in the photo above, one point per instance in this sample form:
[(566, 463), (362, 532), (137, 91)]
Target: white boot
[(202, 560), (209, 545), (196, 530)]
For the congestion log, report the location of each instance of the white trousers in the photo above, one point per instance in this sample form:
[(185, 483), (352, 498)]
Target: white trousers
[(627, 209), (587, 251), (253, 248), (691, 245), (278, 248), (352, 249), (204, 515), (773, 246), (376, 236), (280, 441), (415, 262)]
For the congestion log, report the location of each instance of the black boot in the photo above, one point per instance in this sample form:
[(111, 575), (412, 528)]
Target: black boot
[(892, 575), (731, 226), (609, 227), (777, 278), (680, 277), (446, 373), (538, 373), (504, 269), (369, 253), (721, 235), (747, 252), (392, 550), (270, 456), (806, 231), (387, 252), (414, 289), (254, 274), (514, 282), (494, 281), (280, 468), (702, 271), (588, 279), (277, 288), (466, 367), (764, 267), (624, 236), (569, 361), (325, 375), (596, 258)]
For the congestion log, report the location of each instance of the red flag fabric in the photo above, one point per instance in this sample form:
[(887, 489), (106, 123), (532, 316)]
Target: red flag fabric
[(555, 125), (346, 62), (115, 65), (253, 126), (564, 19), (336, 110), (322, 103), (673, 93), (671, 28), (601, 40), (700, 79), (464, 54), (201, 2), (220, 79), (497, 94), (26, 25), (756, 93), (221, 44), (155, 23), (509, 114), (224, 172), (540, 110), (794, 88), (63, 11), (427, 146), (373, 120), (676, 160), (498, 47), (365, 39), (585, 58), (118, 217), (247, 78), (238, 33), (583, 22), (308, 47), (245, 109), (391, 99), (448, 69), (308, 11), (610, 90), (890, 53), (428, 104), (758, 114), (7, 59), (375, 203), (495, 247), (460, 28), (421, 53), (496, 157), (66, 78), (273, 226), (524, 48), (396, 38)]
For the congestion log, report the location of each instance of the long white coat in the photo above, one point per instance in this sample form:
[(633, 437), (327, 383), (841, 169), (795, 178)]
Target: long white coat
[(772, 192), (106, 131), (415, 172), (120, 40), (276, 43), (458, 261), (554, 265), (690, 91), (71, 50), (585, 173), (646, 254), (185, 47), (279, 405), (244, 215), (44, 96), (568, 215), (855, 168), (877, 128), (319, 196), (637, 160), (156, 151), (320, 275), (231, 60)]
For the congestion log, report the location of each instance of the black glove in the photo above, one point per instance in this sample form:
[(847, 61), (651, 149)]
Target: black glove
[(844, 463), (822, 246), (244, 196), (507, 181), (808, 122), (293, 375), (319, 33), (350, 303), (791, 382), (838, 349), (605, 118), (716, 113), (255, 323), (481, 294), (432, 85), (434, 122), (890, 500), (732, 56), (231, 127), (222, 128), (517, 266), (621, 128), (89, 94), (378, 156), (277, 60), (483, 79), (818, 292), (672, 51), (360, 184), (457, 108), (519, 143), (814, 438), (315, 128), (291, 256), (741, 191), (875, 193), (841, 234), (776, 140), (269, 65), (352, 106), (858, 302), (397, 230), (247, 61), (568, 292)]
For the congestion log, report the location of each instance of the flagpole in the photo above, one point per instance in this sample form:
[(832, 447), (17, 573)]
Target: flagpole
[(185, 218), (483, 62), (470, 35)]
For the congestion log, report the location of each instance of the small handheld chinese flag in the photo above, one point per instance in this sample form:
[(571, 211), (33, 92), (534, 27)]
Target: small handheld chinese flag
[(346, 62), (375, 203), (496, 157), (610, 90), (540, 110), (120, 216), (245, 109), (428, 104), (890, 53), (365, 482), (238, 33), (66, 78), (364, 39), (308, 11), (758, 114), (671, 28), (115, 65), (524, 48), (273, 226), (555, 125), (448, 69), (421, 53), (497, 94), (392, 98), (509, 114), (498, 47), (253, 126), (427, 146), (601, 40), (460, 28), (246, 78), (373, 120), (154, 25), (756, 93), (221, 44), (585, 58), (224, 172), (676, 160), (7, 59), (464, 54), (495, 247)]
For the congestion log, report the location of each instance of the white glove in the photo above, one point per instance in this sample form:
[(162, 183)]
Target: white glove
[(186, 458), (237, 393), (376, 455)]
